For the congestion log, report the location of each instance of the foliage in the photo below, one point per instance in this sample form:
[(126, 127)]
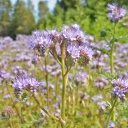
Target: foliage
[(5, 16)]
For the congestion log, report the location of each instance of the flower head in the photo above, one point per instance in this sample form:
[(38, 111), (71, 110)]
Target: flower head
[(7, 112), (23, 82), (71, 40), (120, 88), (115, 13)]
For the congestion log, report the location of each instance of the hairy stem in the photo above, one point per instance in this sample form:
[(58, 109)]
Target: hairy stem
[(49, 114), (112, 66), (46, 80), (64, 81), (112, 52), (111, 112), (11, 123)]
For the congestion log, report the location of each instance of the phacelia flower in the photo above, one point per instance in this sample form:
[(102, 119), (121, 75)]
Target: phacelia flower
[(23, 82), (100, 83), (102, 105), (115, 13), (71, 40), (120, 88), (73, 33), (7, 112), (111, 124), (81, 77), (74, 51)]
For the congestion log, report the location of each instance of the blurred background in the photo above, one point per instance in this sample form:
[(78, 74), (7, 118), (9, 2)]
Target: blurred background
[(24, 16)]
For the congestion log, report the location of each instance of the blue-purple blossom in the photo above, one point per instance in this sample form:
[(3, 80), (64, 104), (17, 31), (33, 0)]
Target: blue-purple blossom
[(100, 83), (17, 70), (73, 50), (4, 75), (97, 98), (73, 33), (20, 82), (81, 77), (111, 124), (86, 52), (120, 88), (23, 82), (115, 13), (71, 39), (41, 39), (102, 104)]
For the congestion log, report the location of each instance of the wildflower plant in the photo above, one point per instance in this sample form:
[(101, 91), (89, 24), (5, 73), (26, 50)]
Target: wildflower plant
[(72, 94), (115, 14), (69, 46)]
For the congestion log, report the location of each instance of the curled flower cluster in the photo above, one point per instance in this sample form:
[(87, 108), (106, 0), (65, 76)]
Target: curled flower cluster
[(115, 13), (99, 100), (7, 112), (100, 83), (23, 82), (71, 39), (120, 88)]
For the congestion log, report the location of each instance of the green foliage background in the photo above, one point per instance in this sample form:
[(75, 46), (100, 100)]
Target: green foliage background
[(90, 14)]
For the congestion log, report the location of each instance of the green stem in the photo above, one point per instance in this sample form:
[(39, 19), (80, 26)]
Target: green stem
[(112, 65), (111, 112), (11, 123), (46, 80), (49, 114), (21, 114), (64, 81), (112, 52)]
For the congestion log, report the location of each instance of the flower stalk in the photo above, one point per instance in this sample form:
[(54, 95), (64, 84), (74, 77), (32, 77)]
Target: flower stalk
[(49, 114), (112, 52), (46, 80), (112, 66), (111, 112)]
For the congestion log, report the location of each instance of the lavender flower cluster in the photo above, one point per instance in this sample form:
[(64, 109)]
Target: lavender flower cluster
[(23, 82), (120, 88), (115, 13), (72, 39)]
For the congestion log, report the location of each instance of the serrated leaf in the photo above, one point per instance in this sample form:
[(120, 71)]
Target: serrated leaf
[(103, 50), (24, 95)]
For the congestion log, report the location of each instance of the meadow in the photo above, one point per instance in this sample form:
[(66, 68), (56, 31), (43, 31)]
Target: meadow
[(64, 78)]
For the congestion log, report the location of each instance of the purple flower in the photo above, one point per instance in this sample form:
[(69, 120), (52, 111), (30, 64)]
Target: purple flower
[(33, 84), (86, 52), (115, 13), (81, 77), (73, 33), (111, 124), (23, 82), (97, 98), (4, 75), (20, 82), (18, 70), (100, 83), (71, 39), (74, 51), (102, 105), (120, 88)]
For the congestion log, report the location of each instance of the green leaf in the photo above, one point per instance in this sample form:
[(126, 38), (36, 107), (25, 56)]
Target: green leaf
[(103, 50), (24, 95), (103, 33)]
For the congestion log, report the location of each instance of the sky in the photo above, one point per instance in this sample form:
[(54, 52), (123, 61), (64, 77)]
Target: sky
[(51, 3)]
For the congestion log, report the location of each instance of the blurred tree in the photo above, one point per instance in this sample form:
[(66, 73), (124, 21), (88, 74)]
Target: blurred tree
[(23, 19), (66, 4), (43, 13), (43, 10), (5, 16), (30, 6)]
